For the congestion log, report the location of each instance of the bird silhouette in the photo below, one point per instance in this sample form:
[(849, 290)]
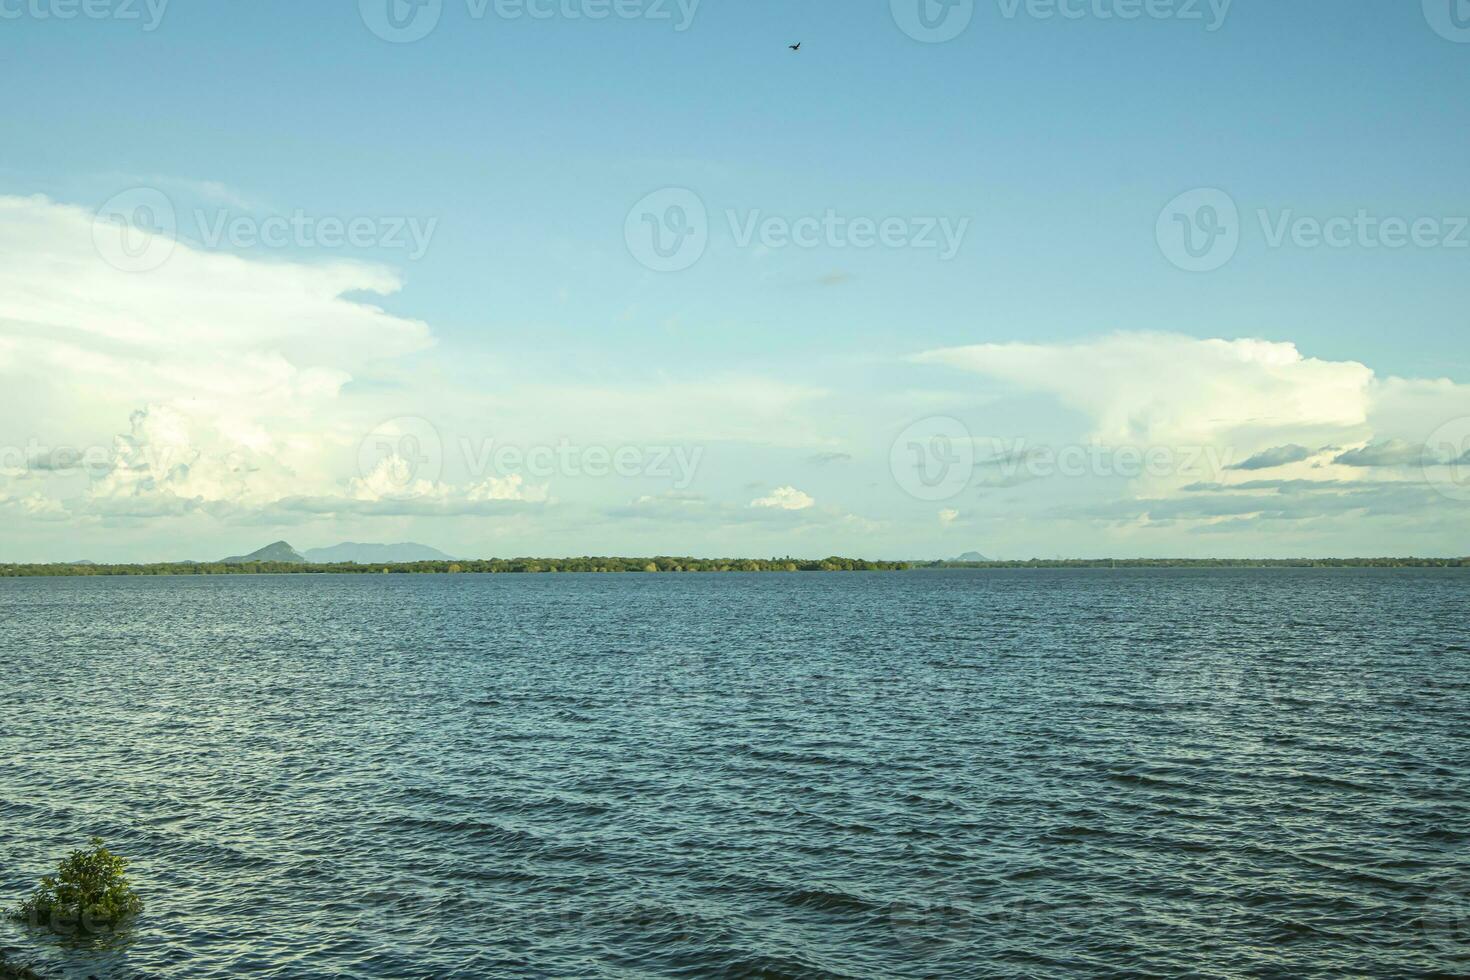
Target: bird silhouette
[(795, 47)]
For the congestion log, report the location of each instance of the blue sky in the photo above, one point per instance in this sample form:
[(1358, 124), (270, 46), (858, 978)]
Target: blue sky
[(1057, 141)]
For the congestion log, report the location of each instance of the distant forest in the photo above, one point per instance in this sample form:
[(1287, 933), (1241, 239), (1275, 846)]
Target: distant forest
[(1208, 563), (661, 564), (497, 565)]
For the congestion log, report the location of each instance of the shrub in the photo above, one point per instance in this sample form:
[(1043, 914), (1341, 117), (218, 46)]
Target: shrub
[(88, 891)]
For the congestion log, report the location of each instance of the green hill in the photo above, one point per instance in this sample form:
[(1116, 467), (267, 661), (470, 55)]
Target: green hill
[(276, 551)]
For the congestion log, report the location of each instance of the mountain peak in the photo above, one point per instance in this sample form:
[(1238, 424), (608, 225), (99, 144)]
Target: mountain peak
[(275, 551), (372, 554)]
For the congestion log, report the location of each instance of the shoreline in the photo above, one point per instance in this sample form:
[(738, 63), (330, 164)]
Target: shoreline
[(664, 565)]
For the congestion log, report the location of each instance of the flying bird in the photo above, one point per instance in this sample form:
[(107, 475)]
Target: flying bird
[(795, 47)]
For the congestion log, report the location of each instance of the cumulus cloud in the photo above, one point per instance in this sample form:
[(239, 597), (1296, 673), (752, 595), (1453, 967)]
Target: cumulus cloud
[(241, 388), (393, 479), (238, 385), (784, 498), (1167, 388), (1261, 402), (1244, 395), (209, 381)]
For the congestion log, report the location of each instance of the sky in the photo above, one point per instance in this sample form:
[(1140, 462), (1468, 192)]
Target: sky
[(557, 277)]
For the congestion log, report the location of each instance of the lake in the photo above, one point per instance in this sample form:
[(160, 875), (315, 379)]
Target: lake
[(961, 773)]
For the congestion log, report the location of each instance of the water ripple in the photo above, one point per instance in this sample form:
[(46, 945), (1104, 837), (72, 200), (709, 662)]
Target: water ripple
[(966, 773)]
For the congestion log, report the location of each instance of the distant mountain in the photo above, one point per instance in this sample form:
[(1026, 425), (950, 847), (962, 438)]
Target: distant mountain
[(971, 556), (278, 551), (372, 554)]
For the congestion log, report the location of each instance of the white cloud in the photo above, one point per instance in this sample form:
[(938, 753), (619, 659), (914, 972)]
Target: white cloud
[(784, 498), (1238, 407), (226, 373), (241, 388), (1249, 396), (1145, 387)]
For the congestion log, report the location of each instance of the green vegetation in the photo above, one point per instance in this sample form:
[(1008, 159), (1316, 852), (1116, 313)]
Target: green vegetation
[(497, 565), (1209, 563), (665, 564), (89, 892)]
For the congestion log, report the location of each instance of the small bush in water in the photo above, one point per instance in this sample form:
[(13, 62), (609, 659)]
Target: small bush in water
[(89, 891)]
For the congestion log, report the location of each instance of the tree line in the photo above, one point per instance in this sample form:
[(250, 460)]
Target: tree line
[(484, 565), (1208, 563)]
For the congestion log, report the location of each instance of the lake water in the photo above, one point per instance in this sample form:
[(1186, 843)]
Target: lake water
[(960, 773)]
